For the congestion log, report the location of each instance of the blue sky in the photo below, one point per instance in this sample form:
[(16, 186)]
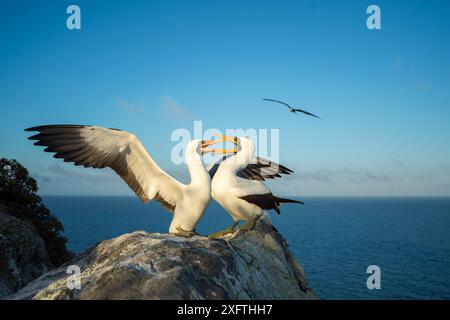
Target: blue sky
[(150, 67)]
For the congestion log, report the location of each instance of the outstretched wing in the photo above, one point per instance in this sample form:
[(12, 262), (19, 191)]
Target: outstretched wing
[(97, 147), (261, 169), (306, 112), (278, 101), (292, 109)]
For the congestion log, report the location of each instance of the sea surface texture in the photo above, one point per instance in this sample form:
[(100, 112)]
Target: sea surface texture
[(335, 239)]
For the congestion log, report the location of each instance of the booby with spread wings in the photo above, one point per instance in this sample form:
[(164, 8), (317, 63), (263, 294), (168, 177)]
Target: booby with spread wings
[(98, 147), (237, 184), (291, 109)]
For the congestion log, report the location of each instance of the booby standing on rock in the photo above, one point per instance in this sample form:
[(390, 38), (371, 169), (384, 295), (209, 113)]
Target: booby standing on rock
[(98, 147), (237, 185)]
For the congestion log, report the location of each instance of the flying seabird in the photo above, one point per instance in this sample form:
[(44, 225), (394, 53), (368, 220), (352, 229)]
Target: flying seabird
[(98, 147), (237, 184), (292, 109)]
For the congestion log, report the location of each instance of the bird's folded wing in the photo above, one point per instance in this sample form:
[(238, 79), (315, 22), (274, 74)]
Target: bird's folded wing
[(97, 147), (259, 169), (262, 169)]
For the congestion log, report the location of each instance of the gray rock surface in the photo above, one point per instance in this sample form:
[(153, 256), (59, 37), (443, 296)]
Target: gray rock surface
[(141, 265), (23, 256)]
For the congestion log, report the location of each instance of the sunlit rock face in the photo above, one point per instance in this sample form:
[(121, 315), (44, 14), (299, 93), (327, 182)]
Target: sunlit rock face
[(141, 265)]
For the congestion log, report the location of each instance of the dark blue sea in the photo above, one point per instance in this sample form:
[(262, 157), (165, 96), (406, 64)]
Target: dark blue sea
[(335, 239)]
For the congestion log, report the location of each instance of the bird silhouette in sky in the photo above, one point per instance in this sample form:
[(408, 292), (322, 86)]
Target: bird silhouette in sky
[(291, 109)]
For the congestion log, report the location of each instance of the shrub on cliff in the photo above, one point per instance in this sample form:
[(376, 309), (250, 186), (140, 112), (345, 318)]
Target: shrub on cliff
[(18, 193)]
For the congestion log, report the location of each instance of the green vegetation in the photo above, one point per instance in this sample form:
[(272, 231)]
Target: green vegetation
[(18, 193)]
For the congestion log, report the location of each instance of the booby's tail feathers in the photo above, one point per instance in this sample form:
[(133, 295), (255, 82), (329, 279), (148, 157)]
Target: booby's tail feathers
[(282, 200)]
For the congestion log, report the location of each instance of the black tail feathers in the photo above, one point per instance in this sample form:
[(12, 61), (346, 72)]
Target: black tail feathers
[(282, 200)]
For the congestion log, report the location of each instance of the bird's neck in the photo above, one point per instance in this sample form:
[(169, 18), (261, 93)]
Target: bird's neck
[(239, 161), (199, 175)]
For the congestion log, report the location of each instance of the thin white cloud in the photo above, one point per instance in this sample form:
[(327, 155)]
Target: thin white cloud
[(357, 176), (58, 173), (172, 110), (128, 106), (421, 85)]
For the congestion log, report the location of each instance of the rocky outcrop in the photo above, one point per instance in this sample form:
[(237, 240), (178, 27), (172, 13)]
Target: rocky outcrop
[(141, 265), (23, 256)]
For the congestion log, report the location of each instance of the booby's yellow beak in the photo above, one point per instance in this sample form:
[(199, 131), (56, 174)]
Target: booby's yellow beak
[(234, 140), (206, 143), (219, 150)]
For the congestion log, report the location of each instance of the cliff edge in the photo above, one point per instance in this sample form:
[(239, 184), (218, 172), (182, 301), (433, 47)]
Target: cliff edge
[(141, 265)]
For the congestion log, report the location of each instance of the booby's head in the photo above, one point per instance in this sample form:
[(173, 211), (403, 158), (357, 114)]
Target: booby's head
[(244, 150), (196, 148), (240, 143)]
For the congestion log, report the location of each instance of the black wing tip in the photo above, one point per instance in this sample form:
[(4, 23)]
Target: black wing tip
[(278, 101), (56, 126), (307, 113), (35, 137), (268, 99), (285, 170), (273, 100), (42, 128), (37, 128)]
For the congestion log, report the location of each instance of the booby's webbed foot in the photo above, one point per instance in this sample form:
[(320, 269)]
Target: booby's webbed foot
[(221, 233), (224, 232), (249, 225), (185, 234)]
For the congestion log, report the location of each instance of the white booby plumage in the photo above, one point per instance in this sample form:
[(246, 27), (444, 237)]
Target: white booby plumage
[(237, 184), (98, 147)]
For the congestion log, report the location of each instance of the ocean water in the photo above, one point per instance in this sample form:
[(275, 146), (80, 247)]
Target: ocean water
[(335, 239)]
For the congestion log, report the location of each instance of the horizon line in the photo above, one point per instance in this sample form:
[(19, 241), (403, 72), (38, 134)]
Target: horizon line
[(295, 196)]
